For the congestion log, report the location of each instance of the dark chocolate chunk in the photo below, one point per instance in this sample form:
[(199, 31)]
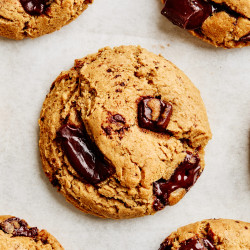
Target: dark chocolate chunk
[(185, 175), (190, 14), (18, 227), (166, 245), (83, 155), (187, 14), (208, 244), (191, 244), (245, 38), (197, 244), (154, 114), (35, 7), (218, 7)]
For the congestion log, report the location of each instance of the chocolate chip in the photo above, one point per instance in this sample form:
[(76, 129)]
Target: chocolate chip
[(245, 38), (83, 155), (185, 175), (35, 7), (187, 14), (154, 114), (18, 227)]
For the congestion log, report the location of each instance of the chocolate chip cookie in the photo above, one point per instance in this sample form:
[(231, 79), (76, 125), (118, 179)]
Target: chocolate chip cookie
[(17, 234), (122, 133), (223, 23), (210, 234), (32, 18)]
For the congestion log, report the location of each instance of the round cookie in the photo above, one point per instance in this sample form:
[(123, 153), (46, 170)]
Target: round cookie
[(17, 234), (223, 23), (122, 133), (32, 18), (210, 235)]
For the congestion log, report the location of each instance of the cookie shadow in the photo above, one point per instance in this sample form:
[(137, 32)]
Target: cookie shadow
[(175, 33), (59, 198), (4, 39)]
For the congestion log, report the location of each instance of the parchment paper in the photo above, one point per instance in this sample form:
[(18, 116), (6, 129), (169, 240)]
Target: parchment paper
[(29, 67)]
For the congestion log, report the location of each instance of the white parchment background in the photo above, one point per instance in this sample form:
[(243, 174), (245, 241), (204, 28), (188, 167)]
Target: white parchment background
[(29, 67)]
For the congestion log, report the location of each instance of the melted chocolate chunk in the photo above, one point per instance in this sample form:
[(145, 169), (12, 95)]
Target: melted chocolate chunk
[(83, 155), (187, 14), (208, 244), (145, 111), (216, 7), (35, 7), (197, 244), (191, 244), (190, 14), (166, 245), (18, 227), (245, 38), (184, 176)]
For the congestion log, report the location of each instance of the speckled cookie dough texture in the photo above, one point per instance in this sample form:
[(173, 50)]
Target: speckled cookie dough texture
[(210, 234), (20, 19), (223, 23), (15, 234), (101, 93)]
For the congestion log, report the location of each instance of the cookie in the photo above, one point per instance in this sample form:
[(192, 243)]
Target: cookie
[(32, 18), (210, 234), (223, 23), (17, 234), (122, 133)]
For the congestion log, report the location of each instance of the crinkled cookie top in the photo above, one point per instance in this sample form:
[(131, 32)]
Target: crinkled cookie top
[(118, 129)]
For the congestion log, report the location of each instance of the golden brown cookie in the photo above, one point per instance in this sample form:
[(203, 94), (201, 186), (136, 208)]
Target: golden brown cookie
[(32, 18), (122, 133), (17, 234), (223, 234), (223, 23)]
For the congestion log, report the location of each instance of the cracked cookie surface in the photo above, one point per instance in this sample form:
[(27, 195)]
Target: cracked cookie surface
[(210, 234), (100, 95), (223, 23), (17, 234), (18, 20)]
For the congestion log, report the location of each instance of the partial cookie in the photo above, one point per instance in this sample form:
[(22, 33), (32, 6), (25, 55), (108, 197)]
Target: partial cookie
[(122, 134), (32, 18), (223, 23), (17, 234), (213, 234)]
